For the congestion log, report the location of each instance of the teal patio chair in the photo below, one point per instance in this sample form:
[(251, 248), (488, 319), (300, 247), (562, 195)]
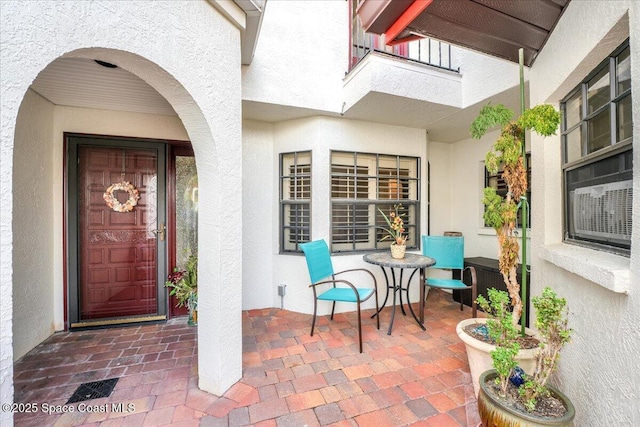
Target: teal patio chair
[(321, 273), (448, 251)]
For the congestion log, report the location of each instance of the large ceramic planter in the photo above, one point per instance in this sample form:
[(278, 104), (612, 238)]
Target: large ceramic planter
[(494, 414), (478, 353)]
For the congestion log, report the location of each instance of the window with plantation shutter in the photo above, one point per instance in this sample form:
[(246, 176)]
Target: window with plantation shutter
[(295, 200), (362, 183)]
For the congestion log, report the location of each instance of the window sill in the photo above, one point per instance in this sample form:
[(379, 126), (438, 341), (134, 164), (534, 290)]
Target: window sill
[(610, 271)]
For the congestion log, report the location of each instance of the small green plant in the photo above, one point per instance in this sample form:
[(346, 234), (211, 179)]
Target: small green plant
[(553, 331), (184, 283), (499, 324), (504, 362), (552, 325), (502, 332)]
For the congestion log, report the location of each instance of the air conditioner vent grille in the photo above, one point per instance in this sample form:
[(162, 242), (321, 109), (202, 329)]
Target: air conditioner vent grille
[(604, 211)]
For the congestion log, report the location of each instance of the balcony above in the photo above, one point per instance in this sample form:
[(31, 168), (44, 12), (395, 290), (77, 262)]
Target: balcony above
[(493, 27), (393, 90), (387, 88)]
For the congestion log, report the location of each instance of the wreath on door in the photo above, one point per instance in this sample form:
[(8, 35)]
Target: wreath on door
[(114, 203)]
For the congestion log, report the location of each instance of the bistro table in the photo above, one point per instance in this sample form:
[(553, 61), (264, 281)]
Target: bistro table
[(410, 261)]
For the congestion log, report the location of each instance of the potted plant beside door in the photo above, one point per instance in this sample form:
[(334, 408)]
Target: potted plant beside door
[(183, 284)]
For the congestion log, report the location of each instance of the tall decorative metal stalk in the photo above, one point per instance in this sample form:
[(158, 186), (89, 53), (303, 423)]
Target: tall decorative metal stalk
[(525, 206)]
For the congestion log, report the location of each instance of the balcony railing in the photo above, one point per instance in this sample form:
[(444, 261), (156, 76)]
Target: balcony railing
[(424, 51)]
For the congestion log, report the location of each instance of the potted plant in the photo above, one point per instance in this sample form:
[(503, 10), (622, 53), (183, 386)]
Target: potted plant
[(509, 397), (501, 214), (395, 231), (482, 336), (184, 286)]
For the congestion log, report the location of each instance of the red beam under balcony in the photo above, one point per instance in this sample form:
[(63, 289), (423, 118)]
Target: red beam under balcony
[(495, 28)]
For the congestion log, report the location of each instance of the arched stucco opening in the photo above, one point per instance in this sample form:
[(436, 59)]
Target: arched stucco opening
[(205, 92), (40, 229)]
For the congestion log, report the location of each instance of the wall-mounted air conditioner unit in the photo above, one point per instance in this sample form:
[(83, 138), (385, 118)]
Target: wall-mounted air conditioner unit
[(604, 211)]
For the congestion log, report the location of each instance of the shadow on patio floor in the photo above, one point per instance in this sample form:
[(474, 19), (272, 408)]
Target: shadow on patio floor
[(289, 378)]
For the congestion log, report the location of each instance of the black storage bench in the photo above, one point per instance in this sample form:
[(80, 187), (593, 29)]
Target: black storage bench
[(488, 276)]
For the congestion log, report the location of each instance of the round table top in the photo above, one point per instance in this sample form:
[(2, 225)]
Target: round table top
[(385, 259)]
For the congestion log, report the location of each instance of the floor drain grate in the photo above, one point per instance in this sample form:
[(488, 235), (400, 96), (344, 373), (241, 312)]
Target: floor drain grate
[(93, 390)]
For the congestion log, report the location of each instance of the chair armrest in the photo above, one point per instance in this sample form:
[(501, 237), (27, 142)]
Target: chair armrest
[(362, 270), (472, 269), (324, 282)]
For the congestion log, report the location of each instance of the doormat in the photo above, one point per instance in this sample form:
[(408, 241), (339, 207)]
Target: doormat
[(93, 390)]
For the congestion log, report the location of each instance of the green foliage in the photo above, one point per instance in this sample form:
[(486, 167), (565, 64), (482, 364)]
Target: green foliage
[(489, 117), (492, 202), (530, 392), (500, 322), (492, 161), (544, 119), (504, 361), (551, 318), (510, 147), (498, 211), (395, 226), (551, 322), (503, 332), (552, 325), (184, 283), (501, 214)]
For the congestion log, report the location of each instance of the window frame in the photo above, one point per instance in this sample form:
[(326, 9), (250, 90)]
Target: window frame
[(615, 151), (409, 185), (294, 201)]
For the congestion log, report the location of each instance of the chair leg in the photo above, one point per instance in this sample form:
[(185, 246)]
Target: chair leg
[(333, 309), (360, 327), (313, 321), (474, 291), (375, 296)]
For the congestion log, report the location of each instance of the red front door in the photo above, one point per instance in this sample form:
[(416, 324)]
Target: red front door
[(120, 233)]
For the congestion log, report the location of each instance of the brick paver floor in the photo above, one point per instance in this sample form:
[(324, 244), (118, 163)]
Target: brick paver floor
[(413, 377)]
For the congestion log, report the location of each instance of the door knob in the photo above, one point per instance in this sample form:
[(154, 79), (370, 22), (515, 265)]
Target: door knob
[(160, 232)]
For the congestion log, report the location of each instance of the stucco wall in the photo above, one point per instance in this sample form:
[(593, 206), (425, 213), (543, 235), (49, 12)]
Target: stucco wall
[(301, 55), (194, 62), (258, 215), (598, 370), (484, 76), (321, 135), (33, 226), (442, 184)]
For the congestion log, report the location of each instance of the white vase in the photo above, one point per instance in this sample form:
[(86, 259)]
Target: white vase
[(479, 357)]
